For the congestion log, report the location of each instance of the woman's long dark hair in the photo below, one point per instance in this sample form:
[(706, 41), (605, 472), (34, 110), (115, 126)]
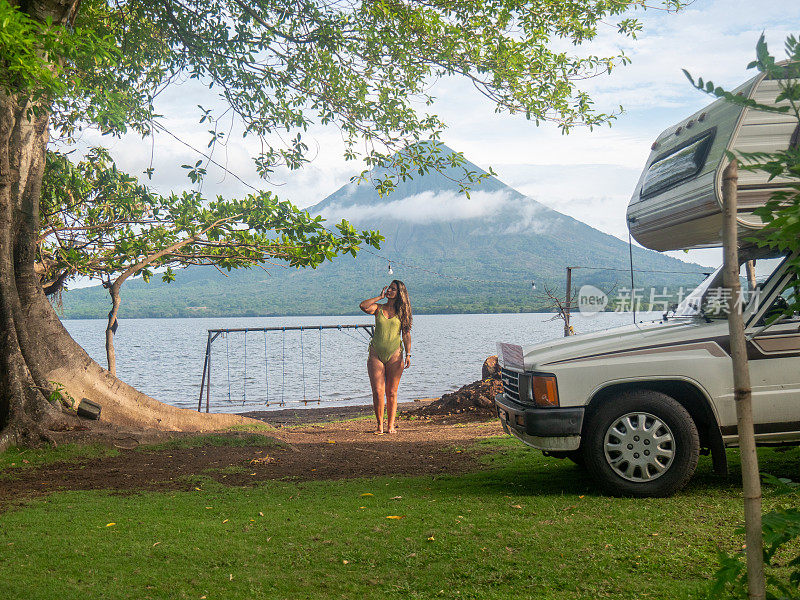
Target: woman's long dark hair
[(402, 306)]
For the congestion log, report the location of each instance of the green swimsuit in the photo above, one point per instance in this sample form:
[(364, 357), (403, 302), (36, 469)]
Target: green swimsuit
[(387, 338)]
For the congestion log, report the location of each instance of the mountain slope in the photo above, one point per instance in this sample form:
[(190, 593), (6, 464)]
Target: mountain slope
[(455, 254)]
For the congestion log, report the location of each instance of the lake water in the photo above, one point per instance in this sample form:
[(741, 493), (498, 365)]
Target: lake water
[(164, 357)]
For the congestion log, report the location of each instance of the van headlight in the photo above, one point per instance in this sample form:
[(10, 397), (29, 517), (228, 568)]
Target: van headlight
[(543, 390)]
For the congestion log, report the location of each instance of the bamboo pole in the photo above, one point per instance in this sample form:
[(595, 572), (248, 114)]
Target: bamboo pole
[(751, 482)]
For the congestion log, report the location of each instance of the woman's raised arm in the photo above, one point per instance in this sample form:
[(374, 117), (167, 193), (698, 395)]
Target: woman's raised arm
[(370, 305)]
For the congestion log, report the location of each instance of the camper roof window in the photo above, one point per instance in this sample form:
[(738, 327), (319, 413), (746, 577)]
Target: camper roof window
[(679, 164)]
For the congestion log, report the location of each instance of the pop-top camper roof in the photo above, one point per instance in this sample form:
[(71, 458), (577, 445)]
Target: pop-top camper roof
[(677, 203)]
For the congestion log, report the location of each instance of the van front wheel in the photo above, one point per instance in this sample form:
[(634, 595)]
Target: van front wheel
[(641, 443)]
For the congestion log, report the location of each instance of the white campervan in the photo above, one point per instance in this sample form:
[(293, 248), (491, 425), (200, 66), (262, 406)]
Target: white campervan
[(638, 404)]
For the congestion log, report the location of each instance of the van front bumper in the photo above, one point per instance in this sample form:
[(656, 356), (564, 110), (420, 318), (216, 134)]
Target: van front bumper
[(542, 428)]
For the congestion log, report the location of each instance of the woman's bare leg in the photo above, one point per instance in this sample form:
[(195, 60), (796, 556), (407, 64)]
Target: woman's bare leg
[(393, 370), (376, 372)]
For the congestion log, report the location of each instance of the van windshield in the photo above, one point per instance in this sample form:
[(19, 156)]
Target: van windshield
[(709, 299), (691, 306)]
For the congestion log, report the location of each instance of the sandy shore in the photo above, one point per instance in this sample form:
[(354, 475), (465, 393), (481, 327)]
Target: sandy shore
[(321, 414)]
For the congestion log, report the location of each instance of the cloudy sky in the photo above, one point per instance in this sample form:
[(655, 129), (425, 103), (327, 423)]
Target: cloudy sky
[(587, 175)]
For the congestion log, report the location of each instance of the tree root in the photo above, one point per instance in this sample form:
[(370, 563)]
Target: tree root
[(27, 433)]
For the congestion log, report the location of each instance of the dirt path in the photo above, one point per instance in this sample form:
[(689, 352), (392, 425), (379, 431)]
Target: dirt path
[(338, 450)]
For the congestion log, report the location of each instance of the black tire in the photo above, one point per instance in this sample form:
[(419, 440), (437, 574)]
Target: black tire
[(641, 443)]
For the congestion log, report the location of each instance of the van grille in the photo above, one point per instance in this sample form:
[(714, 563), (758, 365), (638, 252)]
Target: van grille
[(510, 384)]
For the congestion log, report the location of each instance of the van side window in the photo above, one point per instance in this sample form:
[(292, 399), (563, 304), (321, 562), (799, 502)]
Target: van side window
[(791, 295), (780, 306), (681, 163)]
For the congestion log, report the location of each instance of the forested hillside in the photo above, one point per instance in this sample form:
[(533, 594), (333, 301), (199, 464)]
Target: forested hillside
[(455, 253)]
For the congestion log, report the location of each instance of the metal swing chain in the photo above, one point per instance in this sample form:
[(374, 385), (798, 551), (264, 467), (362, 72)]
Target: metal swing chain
[(283, 366), (358, 338), (228, 363), (266, 368), (319, 377), (303, 362), (244, 379)]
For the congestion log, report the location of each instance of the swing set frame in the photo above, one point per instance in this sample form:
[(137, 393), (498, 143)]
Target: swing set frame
[(213, 334)]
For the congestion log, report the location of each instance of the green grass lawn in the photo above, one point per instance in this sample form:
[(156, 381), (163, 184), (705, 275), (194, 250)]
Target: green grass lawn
[(14, 460), (529, 527)]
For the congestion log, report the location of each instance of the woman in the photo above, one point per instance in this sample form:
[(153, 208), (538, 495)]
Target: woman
[(385, 363)]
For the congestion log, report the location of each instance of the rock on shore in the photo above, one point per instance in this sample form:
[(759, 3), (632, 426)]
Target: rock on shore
[(477, 396)]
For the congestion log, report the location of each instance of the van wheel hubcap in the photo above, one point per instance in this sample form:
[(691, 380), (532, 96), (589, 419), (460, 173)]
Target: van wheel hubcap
[(639, 447)]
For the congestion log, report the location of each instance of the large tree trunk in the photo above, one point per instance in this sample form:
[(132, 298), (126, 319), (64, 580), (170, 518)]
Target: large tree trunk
[(36, 349), (24, 412)]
